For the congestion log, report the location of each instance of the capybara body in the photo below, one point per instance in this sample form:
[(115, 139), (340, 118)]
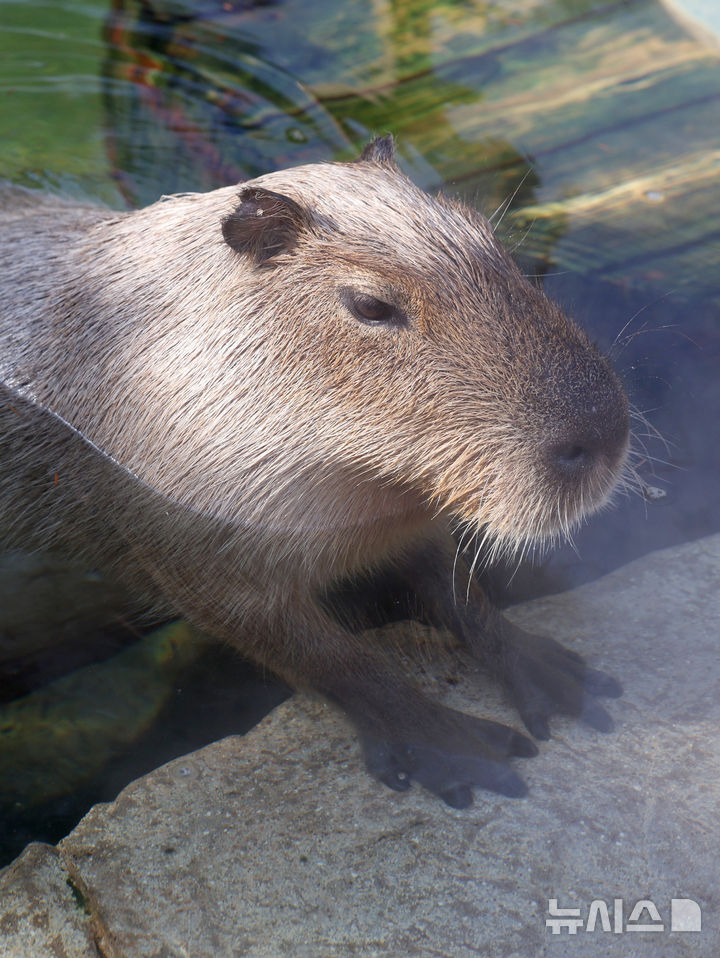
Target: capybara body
[(233, 402)]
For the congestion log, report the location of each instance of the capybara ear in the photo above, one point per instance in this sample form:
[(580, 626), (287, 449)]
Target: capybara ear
[(381, 151), (264, 224)]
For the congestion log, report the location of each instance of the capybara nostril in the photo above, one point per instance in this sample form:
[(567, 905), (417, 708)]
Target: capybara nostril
[(571, 458)]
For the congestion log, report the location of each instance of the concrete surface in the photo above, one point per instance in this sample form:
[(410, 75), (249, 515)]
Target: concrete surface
[(278, 844)]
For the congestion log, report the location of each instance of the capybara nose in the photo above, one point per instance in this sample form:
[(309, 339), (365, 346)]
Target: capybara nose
[(596, 440), (587, 421), (573, 457)]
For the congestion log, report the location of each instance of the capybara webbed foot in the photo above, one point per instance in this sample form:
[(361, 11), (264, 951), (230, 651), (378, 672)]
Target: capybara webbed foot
[(456, 754), (545, 679)]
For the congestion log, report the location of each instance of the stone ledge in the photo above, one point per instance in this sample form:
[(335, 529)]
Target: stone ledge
[(278, 843)]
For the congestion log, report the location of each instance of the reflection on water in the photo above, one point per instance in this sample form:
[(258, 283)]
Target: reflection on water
[(193, 93), (591, 126)]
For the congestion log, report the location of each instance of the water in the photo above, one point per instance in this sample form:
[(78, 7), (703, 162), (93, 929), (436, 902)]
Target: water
[(593, 127)]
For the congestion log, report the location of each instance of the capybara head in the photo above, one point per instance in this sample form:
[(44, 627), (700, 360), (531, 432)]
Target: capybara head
[(322, 348), (405, 342)]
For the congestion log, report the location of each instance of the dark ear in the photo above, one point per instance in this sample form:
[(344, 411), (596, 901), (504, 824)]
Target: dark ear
[(381, 151), (264, 224)]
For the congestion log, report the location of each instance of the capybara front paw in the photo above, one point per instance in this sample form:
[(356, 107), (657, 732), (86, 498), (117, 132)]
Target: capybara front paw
[(545, 679), (461, 753)]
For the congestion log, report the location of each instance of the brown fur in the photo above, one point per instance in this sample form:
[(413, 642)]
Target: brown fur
[(194, 377)]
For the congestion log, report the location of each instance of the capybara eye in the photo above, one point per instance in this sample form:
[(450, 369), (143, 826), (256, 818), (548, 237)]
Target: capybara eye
[(368, 309)]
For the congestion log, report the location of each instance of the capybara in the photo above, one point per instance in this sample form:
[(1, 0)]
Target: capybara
[(239, 402)]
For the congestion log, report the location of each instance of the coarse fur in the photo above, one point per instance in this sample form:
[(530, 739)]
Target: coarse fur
[(268, 390)]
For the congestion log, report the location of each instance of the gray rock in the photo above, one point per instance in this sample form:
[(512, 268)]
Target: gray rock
[(279, 844), (42, 910)]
